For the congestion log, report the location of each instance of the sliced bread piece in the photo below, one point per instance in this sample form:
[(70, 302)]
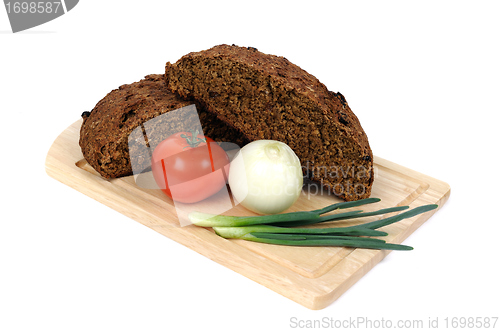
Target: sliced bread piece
[(267, 97)]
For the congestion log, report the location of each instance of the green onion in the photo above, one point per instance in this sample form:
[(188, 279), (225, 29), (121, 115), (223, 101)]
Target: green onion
[(296, 240), (303, 222), (212, 220), (238, 232), (264, 228), (404, 215), (344, 216)]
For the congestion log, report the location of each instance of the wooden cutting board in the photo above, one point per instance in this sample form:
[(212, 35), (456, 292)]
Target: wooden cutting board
[(311, 276)]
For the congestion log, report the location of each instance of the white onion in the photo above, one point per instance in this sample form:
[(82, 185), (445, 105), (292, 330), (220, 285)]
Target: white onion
[(266, 177)]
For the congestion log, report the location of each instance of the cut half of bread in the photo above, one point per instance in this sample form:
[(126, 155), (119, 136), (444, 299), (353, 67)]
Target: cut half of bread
[(265, 96)]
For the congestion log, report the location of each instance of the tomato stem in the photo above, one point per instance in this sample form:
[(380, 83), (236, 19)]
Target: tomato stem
[(194, 140)]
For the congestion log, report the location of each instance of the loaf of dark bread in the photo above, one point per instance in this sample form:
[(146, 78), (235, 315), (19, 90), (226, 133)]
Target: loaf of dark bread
[(104, 134), (267, 97)]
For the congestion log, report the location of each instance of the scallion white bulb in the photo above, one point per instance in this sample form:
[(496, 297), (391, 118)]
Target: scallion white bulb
[(266, 177)]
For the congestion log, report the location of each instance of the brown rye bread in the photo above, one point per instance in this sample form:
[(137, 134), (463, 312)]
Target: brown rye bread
[(265, 96), (104, 134)]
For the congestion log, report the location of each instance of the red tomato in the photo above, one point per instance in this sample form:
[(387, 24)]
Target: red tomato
[(188, 169)]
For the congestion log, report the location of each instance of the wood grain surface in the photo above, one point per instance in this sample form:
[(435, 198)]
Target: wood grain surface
[(311, 276)]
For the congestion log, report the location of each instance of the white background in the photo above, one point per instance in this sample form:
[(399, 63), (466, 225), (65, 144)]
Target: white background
[(423, 77)]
